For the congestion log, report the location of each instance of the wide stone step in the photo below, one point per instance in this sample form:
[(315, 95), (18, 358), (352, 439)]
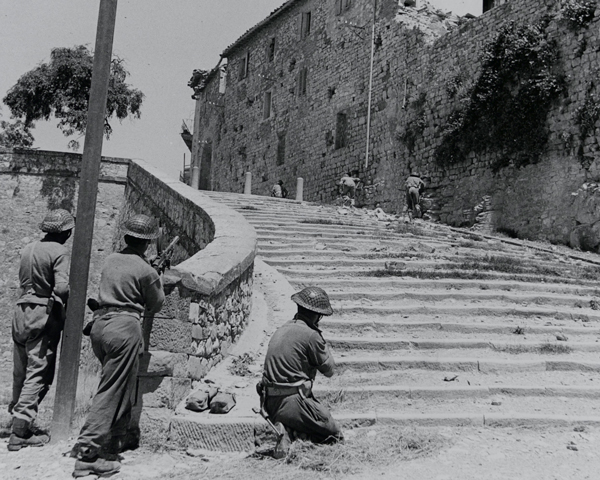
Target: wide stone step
[(386, 396), (236, 433), (404, 284), (415, 378), (406, 308), (564, 406), (269, 220), (398, 345), (527, 328), (475, 296), (299, 245), (274, 241), (324, 272), (343, 261), (483, 361), (400, 262), (384, 237)]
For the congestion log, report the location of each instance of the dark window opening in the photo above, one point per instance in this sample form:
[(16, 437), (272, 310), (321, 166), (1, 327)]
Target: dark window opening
[(302, 80), (341, 131), (305, 27), (244, 66), (342, 6), (271, 50), (281, 148), (267, 105), (488, 5)]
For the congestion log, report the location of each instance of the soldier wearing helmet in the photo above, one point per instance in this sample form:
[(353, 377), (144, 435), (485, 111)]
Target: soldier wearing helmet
[(296, 352), (38, 323), (129, 287), (414, 187)]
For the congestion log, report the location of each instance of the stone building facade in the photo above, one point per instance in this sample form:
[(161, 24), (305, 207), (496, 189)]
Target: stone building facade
[(295, 102)]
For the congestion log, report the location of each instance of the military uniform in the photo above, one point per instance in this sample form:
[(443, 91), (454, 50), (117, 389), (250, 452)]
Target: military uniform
[(295, 353), (38, 322), (414, 186), (129, 286)]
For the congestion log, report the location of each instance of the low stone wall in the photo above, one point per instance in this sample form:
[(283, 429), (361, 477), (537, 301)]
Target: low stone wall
[(209, 288), (31, 183)]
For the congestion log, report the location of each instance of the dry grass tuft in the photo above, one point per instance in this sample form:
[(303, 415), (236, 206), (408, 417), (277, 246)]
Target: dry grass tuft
[(410, 228), (555, 348), (240, 365), (366, 450)]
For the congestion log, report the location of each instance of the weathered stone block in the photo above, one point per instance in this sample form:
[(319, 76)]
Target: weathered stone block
[(160, 363), (171, 335), (162, 392)]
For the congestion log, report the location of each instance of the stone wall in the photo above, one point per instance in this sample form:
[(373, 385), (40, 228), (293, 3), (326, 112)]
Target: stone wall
[(31, 183), (417, 59), (209, 287)]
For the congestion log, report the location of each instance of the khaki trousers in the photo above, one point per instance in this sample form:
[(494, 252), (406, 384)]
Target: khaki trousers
[(304, 415), (117, 342), (36, 335)]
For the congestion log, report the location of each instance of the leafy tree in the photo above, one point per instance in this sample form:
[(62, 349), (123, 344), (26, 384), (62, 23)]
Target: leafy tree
[(61, 88), (15, 134)]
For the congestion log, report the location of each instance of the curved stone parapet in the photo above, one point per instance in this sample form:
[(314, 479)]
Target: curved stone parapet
[(209, 290)]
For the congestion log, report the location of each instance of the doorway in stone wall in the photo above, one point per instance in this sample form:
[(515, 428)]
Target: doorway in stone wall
[(205, 166)]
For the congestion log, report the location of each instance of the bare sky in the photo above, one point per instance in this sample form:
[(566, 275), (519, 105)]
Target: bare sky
[(161, 41)]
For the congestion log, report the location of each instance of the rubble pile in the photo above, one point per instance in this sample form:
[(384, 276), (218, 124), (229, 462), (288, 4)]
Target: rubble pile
[(425, 17)]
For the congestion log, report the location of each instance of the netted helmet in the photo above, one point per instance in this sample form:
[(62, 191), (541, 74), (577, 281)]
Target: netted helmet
[(57, 221), (314, 299), (141, 226)]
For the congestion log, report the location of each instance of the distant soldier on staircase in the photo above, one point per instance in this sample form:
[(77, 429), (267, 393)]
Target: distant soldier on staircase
[(414, 188), (38, 323), (296, 352), (278, 190)]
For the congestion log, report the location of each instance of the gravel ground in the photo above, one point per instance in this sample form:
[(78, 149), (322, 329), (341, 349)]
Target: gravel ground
[(470, 454)]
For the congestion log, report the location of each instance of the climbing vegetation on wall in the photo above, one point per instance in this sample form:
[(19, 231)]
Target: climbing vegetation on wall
[(586, 117), (415, 124), (578, 13), (504, 112)]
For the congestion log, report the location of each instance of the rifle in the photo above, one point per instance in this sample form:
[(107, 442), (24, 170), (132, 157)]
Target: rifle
[(260, 389), (163, 260)]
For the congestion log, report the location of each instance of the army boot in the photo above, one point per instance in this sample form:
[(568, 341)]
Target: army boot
[(90, 463), (283, 444), (22, 436), (123, 442)]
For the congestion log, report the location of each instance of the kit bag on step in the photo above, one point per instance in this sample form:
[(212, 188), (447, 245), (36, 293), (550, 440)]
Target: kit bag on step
[(223, 402)]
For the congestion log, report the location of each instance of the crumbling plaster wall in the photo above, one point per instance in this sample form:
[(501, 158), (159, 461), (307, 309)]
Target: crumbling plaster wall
[(535, 201)]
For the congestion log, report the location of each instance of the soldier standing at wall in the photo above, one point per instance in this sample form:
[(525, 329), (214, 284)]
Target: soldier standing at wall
[(414, 186), (348, 185), (278, 190), (38, 323), (295, 353), (129, 286)]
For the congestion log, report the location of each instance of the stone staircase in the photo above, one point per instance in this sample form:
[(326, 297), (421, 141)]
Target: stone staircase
[(433, 325)]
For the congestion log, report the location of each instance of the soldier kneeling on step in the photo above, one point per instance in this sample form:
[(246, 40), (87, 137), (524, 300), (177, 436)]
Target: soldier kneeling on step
[(296, 352)]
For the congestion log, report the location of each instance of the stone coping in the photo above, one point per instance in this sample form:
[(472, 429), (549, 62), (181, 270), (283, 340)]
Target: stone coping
[(227, 256), (56, 153)]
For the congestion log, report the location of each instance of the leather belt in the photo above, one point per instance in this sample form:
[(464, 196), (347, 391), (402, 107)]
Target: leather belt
[(286, 390), (117, 310)]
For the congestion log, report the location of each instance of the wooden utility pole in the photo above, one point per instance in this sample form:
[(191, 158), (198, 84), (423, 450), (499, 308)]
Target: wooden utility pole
[(66, 385)]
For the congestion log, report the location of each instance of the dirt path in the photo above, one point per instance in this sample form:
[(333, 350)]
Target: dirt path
[(468, 454)]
